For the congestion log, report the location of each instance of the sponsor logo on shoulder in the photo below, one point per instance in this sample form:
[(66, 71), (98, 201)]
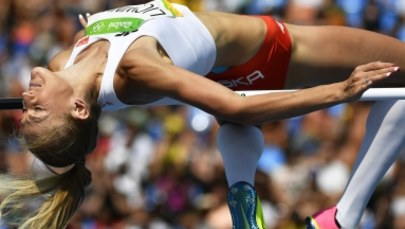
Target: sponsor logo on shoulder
[(82, 41)]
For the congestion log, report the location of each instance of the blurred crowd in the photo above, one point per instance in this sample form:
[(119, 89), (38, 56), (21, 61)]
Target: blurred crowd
[(159, 168)]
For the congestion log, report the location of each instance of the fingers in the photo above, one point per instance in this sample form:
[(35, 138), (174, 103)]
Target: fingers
[(374, 66), (365, 75), (380, 74), (83, 19), (372, 72)]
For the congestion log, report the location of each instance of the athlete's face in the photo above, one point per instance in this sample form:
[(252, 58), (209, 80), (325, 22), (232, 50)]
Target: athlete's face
[(48, 98)]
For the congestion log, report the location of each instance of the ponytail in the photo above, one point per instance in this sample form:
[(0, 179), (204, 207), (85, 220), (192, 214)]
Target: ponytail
[(59, 196)]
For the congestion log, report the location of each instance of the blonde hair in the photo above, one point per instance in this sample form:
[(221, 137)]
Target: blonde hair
[(60, 195)]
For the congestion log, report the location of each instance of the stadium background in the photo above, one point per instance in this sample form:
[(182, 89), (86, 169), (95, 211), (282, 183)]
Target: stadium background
[(159, 168)]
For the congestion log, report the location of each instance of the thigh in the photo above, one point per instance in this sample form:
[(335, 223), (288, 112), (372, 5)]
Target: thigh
[(338, 47)]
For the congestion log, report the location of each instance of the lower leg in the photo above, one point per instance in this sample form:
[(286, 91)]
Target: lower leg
[(381, 145), (241, 147)]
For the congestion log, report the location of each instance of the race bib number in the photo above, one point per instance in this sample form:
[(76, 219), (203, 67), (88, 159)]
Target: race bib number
[(129, 18)]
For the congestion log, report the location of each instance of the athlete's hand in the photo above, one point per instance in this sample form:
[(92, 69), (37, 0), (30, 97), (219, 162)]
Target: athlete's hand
[(364, 76)]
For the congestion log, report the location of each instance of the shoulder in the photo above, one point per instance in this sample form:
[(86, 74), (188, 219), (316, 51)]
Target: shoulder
[(58, 61), (143, 76), (145, 51), (142, 62)]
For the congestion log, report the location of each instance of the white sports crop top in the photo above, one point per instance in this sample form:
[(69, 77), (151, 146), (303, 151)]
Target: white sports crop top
[(182, 35)]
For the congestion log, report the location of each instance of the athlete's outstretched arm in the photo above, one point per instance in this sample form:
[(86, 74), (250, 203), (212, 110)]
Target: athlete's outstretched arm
[(275, 106), (167, 80)]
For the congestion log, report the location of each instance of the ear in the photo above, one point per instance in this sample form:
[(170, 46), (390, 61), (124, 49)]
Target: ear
[(81, 110)]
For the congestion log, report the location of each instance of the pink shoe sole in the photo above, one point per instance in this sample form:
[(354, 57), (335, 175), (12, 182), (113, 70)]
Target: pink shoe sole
[(324, 219)]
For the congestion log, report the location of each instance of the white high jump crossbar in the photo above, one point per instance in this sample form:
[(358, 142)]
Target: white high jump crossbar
[(372, 94)]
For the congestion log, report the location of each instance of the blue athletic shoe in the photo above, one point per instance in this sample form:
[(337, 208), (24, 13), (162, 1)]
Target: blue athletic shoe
[(245, 207)]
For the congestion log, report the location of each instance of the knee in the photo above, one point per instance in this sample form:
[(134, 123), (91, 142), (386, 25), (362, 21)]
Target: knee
[(240, 137)]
